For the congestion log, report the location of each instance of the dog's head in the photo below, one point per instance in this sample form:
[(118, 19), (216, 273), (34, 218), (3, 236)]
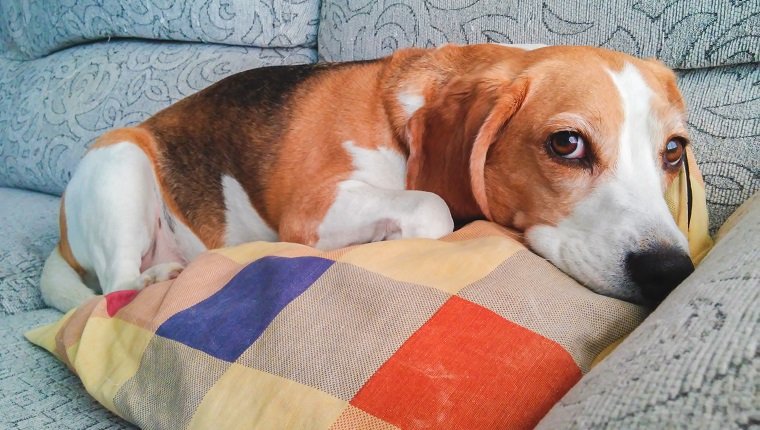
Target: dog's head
[(575, 147)]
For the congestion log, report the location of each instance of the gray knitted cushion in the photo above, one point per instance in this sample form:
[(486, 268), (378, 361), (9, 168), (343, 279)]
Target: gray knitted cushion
[(38, 392), (28, 232)]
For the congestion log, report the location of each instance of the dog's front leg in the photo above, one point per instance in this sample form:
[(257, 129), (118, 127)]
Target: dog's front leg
[(364, 213)]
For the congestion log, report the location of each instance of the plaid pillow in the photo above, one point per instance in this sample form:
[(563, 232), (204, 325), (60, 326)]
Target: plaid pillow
[(471, 331)]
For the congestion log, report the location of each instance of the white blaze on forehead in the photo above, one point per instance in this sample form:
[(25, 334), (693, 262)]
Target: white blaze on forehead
[(638, 171), (639, 133)]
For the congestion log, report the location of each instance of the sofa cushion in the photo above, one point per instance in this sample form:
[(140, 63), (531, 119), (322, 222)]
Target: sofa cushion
[(52, 108), (684, 34), (693, 362), (34, 28), (28, 233), (39, 392), (724, 124)]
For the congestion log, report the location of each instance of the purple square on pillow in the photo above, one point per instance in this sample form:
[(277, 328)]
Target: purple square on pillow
[(228, 322)]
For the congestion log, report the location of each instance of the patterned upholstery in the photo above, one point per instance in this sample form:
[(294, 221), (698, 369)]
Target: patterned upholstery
[(28, 232), (682, 33), (53, 108), (34, 28), (694, 362), (36, 390), (724, 104)]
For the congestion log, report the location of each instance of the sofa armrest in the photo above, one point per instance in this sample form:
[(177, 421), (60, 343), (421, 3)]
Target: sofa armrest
[(693, 362)]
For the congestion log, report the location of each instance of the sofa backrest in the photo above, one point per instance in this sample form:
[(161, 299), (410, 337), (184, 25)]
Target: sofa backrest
[(715, 45), (34, 28), (683, 34), (56, 99)]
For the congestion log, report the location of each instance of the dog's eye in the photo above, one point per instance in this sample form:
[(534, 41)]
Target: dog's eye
[(567, 144), (673, 155)]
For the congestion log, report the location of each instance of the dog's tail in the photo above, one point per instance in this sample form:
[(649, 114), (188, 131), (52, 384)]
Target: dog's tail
[(61, 285)]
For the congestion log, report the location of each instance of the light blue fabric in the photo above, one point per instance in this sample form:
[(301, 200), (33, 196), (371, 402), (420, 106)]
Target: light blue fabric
[(53, 108), (37, 391), (28, 232), (34, 28), (724, 126), (683, 33)]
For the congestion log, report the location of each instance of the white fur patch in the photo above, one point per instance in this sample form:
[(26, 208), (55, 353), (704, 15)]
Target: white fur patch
[(411, 102), (624, 213), (382, 167), (244, 224), (374, 205), (188, 243), (524, 46), (111, 209)]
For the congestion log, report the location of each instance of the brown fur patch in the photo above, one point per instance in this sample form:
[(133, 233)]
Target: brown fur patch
[(63, 245)]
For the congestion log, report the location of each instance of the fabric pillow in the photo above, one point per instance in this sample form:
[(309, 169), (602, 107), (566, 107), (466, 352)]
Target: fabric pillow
[(471, 331)]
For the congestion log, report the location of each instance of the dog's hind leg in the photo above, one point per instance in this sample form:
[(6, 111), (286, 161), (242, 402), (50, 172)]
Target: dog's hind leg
[(112, 207)]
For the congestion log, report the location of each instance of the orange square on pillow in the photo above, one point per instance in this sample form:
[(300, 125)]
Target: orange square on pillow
[(469, 368)]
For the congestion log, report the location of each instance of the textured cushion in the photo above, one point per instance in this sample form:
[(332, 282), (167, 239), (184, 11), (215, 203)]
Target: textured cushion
[(470, 331), (724, 124), (34, 28), (684, 34), (38, 392), (28, 232), (52, 108), (694, 362)]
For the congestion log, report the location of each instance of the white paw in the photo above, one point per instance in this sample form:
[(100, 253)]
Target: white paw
[(430, 218), (158, 273)]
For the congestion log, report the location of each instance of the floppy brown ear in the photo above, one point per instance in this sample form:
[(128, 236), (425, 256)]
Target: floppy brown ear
[(449, 140), (510, 98)]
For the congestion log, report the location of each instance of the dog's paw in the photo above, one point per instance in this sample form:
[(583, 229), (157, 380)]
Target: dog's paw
[(158, 273)]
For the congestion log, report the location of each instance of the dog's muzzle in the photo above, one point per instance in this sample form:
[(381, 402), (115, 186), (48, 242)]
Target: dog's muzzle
[(658, 271)]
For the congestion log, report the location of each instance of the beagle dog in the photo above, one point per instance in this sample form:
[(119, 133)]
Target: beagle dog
[(573, 146)]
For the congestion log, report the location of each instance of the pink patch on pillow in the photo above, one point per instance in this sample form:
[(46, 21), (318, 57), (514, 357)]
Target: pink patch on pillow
[(118, 299)]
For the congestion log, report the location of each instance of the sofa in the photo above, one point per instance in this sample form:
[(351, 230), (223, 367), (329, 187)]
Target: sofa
[(73, 69)]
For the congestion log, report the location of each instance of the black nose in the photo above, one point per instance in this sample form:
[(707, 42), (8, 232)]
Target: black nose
[(658, 271)]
